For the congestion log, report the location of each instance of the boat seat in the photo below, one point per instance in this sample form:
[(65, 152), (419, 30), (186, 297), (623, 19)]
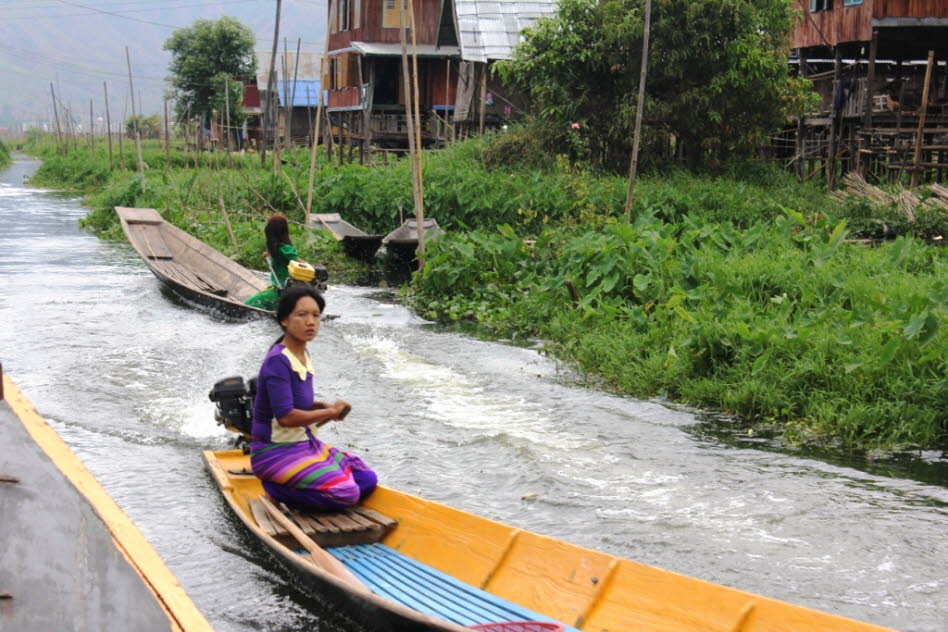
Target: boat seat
[(411, 583), (358, 525)]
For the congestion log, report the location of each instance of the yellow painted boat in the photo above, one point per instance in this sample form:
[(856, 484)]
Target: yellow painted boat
[(420, 565)]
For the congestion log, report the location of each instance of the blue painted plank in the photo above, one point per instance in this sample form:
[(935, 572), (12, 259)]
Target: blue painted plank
[(415, 585)]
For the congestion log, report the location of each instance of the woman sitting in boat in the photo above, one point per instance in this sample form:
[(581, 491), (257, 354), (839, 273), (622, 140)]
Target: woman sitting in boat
[(294, 466), (280, 251)]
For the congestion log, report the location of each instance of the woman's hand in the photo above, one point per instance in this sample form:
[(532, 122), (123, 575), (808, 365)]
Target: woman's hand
[(341, 408)]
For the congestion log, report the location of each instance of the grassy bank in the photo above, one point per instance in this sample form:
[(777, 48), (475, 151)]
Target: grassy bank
[(4, 156), (735, 291)]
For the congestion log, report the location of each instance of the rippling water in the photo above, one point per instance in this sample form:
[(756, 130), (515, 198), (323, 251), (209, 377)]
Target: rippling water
[(122, 372)]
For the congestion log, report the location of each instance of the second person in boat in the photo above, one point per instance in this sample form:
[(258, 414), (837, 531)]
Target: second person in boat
[(279, 253), (294, 466)]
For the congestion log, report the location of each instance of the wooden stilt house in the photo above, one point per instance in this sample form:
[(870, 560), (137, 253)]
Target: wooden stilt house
[(869, 60), (366, 89), (457, 41)]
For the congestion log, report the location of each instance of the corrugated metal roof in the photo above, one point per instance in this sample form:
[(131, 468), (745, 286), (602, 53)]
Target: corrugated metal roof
[(306, 92), (490, 29)]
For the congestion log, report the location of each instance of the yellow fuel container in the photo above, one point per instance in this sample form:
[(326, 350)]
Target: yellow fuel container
[(301, 271)]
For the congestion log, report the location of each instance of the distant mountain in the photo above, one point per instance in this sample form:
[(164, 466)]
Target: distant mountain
[(78, 45)]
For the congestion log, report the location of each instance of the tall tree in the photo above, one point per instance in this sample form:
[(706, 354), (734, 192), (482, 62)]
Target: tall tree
[(206, 57), (718, 74)]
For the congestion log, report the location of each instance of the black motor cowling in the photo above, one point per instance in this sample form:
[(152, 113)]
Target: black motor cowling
[(234, 400)]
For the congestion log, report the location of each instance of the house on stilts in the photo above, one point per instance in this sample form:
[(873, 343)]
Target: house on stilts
[(456, 42), (880, 68)]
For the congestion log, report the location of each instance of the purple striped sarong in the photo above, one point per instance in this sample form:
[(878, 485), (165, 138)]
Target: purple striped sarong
[(311, 475)]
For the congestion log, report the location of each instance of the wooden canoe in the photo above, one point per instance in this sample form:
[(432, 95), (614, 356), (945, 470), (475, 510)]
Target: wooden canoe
[(356, 243), (432, 567), (188, 266), (402, 242)]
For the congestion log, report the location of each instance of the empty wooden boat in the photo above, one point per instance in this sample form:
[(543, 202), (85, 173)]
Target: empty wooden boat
[(356, 243), (403, 563), (188, 266), (402, 242)]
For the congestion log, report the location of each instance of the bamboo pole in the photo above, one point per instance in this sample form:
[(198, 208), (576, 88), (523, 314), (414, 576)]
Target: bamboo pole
[(138, 135), (292, 100), (59, 129), (108, 123), (483, 112), (91, 129), (834, 124), (640, 105), (921, 119), (416, 190), (266, 106), (420, 210), (312, 154), (122, 129), (167, 142)]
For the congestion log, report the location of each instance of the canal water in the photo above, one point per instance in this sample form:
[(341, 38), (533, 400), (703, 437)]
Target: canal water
[(122, 372)]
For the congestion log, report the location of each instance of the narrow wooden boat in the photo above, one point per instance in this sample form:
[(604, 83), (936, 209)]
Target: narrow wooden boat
[(188, 266), (403, 563), (402, 242), (356, 243)]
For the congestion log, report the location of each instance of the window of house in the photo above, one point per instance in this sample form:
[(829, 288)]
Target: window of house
[(851, 3), (391, 15), (821, 5), (357, 13), (332, 16), (343, 15)]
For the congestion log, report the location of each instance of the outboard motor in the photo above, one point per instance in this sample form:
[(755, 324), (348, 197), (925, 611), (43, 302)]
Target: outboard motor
[(302, 272), (234, 400)]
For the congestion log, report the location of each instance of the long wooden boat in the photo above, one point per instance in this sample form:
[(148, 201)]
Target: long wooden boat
[(188, 266), (402, 242), (355, 242), (403, 563)]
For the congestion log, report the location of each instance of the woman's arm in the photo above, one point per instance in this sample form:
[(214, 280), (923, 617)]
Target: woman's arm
[(297, 418)]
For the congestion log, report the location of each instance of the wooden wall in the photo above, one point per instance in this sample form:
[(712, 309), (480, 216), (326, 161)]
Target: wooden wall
[(840, 24), (910, 8), (370, 28), (854, 23)]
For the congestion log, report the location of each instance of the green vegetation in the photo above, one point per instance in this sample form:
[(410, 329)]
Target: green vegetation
[(207, 60), (718, 80), (147, 126), (4, 155), (734, 290), (190, 190)]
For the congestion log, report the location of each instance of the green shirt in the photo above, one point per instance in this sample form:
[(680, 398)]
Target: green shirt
[(279, 261)]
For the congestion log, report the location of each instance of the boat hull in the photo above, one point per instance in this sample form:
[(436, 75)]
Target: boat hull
[(555, 580), (194, 271)]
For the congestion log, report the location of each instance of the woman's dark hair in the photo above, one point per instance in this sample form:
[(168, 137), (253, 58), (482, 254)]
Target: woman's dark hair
[(277, 232), (291, 297)]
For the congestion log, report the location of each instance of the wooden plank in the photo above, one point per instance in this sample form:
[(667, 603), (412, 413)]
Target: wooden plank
[(307, 525), (149, 241), (260, 515), (326, 525), (375, 516), (344, 524), (139, 215), (320, 557)]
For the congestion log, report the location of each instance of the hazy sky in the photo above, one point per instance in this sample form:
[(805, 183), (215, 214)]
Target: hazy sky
[(78, 45)]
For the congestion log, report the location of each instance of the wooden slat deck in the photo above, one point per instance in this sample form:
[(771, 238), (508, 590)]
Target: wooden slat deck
[(352, 526)]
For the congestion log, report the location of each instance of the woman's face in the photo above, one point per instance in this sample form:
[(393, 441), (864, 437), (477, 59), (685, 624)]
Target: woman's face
[(303, 322)]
